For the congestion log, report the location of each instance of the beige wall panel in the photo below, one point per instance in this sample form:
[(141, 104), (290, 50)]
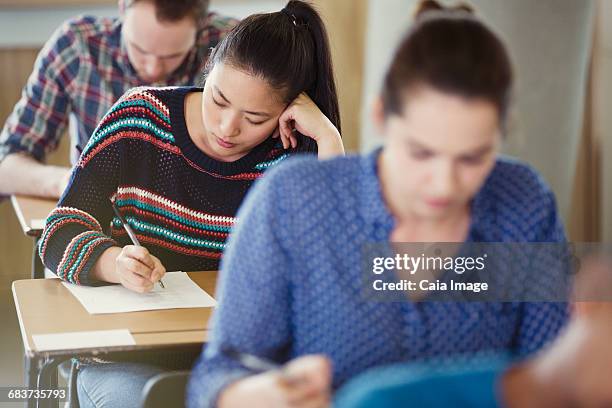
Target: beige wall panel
[(345, 22), (16, 249)]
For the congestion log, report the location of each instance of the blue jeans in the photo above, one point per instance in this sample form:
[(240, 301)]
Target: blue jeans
[(113, 385)]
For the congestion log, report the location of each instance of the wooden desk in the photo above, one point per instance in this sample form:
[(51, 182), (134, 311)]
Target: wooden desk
[(31, 208), (28, 209), (45, 306)]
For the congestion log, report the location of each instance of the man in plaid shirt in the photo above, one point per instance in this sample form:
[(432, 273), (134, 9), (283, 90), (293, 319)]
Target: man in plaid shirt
[(88, 63)]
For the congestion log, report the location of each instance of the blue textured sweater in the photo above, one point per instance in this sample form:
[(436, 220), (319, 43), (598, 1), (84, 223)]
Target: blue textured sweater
[(290, 280)]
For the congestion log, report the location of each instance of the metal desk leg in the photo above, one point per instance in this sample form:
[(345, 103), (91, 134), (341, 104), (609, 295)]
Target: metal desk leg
[(41, 375), (30, 372), (38, 269), (47, 380)]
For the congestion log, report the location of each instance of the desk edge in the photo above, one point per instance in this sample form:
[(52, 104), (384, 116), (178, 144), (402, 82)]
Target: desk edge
[(24, 338)]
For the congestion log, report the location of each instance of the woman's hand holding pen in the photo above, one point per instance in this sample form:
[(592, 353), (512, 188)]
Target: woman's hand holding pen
[(305, 116), (302, 383), (137, 269), (132, 266)]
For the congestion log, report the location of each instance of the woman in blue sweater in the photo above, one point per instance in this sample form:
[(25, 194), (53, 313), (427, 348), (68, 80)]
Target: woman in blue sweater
[(291, 280)]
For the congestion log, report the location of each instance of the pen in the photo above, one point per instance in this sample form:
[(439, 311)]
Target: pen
[(130, 232), (256, 364)]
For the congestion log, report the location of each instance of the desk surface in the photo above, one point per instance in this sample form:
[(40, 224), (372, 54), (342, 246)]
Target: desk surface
[(45, 306), (32, 208)]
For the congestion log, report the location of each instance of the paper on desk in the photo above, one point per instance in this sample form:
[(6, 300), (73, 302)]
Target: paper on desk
[(180, 292), (37, 223), (83, 339)]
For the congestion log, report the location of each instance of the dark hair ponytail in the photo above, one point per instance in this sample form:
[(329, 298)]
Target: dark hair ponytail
[(290, 50), (450, 50)]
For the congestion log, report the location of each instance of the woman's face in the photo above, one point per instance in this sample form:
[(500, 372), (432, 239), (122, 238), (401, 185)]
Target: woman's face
[(239, 112), (439, 151)]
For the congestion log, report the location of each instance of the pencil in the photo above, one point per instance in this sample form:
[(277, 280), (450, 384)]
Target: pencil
[(256, 364), (130, 232)]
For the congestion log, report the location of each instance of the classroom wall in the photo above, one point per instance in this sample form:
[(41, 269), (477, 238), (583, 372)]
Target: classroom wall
[(602, 100), (346, 24), (550, 42), (15, 248)]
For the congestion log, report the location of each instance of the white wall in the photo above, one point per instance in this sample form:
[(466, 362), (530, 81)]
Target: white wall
[(386, 22), (243, 8), (31, 27), (549, 42)]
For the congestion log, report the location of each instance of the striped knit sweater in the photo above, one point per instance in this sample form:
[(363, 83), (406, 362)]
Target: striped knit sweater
[(180, 202)]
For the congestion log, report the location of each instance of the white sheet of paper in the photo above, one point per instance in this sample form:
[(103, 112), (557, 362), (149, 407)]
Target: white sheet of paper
[(37, 223), (180, 292), (83, 339)]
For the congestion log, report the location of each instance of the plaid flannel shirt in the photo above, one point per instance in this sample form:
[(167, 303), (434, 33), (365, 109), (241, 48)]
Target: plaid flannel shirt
[(78, 75)]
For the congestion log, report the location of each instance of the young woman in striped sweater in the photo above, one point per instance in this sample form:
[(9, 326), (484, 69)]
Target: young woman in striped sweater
[(177, 162)]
